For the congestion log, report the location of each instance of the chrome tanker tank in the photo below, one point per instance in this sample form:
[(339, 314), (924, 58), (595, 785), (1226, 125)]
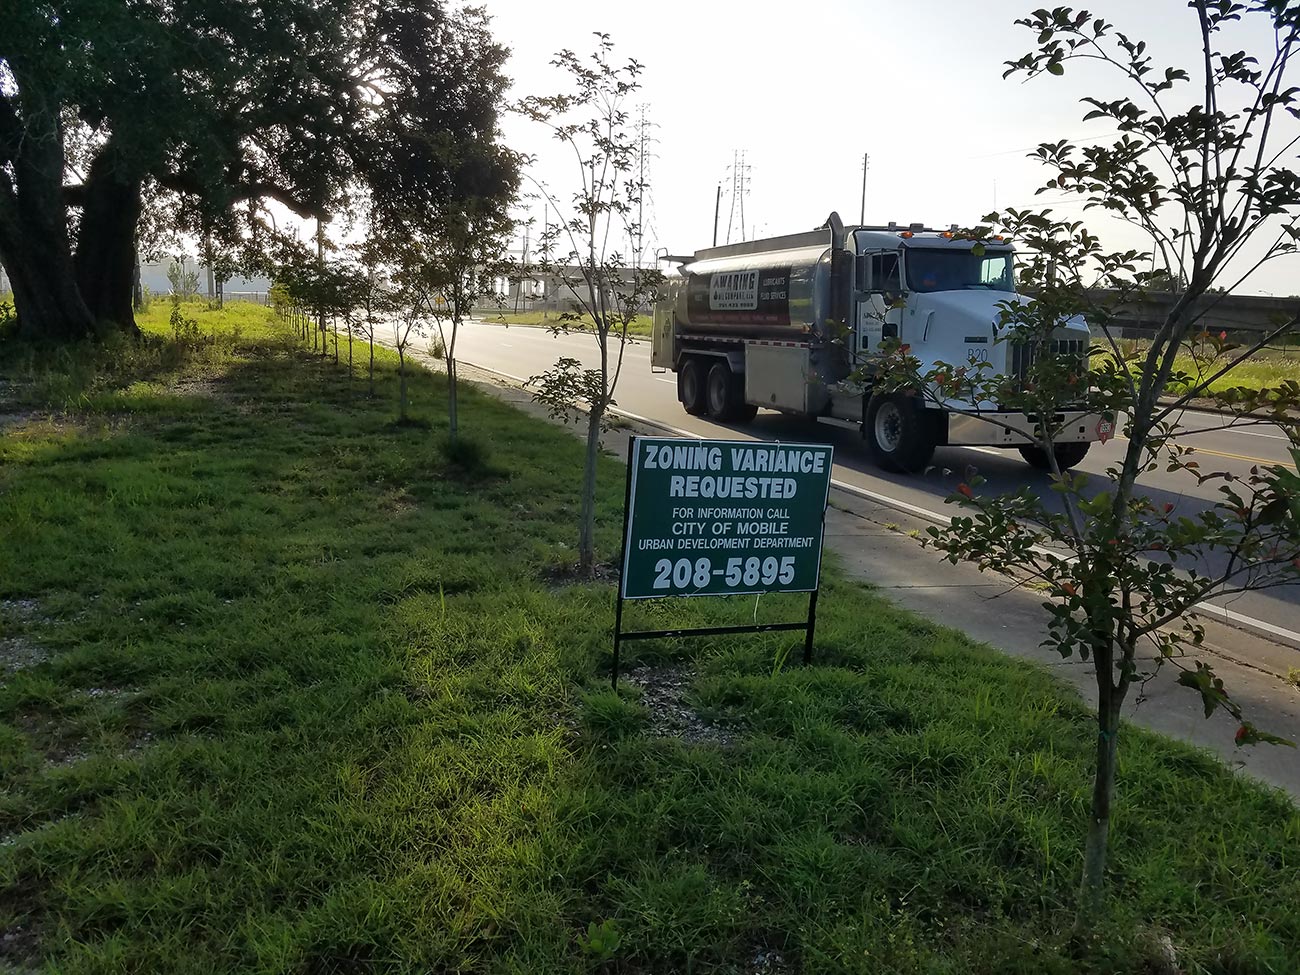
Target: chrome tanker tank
[(769, 289)]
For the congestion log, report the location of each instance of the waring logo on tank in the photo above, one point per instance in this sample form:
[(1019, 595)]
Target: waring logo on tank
[(734, 291)]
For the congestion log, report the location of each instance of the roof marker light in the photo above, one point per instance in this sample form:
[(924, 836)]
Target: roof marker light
[(905, 233)]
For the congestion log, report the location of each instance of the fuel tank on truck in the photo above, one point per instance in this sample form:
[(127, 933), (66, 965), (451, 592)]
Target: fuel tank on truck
[(777, 294)]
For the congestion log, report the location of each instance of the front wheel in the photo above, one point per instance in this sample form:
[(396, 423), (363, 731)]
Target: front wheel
[(898, 434), (1068, 455)]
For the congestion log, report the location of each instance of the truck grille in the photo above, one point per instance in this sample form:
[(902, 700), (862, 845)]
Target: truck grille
[(1074, 351)]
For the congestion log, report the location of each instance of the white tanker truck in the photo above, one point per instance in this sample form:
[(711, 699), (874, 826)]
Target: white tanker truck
[(784, 323)]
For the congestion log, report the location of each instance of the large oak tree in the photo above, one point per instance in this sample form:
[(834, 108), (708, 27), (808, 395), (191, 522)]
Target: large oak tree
[(225, 104)]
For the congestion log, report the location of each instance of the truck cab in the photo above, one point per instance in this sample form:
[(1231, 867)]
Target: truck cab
[(794, 323)]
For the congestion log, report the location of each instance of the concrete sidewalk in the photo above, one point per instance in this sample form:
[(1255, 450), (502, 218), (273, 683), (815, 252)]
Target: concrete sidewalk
[(875, 543)]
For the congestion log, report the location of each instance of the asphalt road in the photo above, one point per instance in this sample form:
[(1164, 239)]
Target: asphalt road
[(520, 352)]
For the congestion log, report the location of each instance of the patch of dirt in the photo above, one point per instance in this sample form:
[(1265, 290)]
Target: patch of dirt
[(210, 388), (18, 652), (14, 419), (571, 574), (51, 735), (397, 502), (663, 693), (20, 949), (768, 961)]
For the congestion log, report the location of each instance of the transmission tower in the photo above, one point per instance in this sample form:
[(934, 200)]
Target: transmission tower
[(645, 199), (739, 174)]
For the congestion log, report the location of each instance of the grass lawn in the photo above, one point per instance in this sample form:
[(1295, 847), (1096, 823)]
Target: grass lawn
[(1267, 369), (285, 690), (641, 325)]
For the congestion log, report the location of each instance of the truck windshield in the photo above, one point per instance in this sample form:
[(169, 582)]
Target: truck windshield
[(951, 269)]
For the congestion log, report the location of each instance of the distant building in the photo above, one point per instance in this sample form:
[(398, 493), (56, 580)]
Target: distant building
[(154, 277)]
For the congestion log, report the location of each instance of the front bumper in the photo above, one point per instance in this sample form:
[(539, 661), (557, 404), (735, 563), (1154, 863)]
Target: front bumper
[(996, 429)]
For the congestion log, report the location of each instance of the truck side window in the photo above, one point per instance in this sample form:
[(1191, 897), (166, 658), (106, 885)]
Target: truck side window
[(884, 273)]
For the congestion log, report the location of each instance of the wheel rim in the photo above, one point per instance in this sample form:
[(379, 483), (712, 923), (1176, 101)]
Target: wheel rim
[(717, 393), (889, 427)]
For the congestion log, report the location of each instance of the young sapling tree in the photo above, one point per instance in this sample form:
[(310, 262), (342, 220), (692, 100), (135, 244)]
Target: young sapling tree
[(1201, 167), (583, 250)]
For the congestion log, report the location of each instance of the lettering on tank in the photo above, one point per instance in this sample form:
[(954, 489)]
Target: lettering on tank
[(759, 296)]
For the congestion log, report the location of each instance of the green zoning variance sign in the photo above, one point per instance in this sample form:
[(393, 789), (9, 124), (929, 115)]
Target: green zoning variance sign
[(723, 517)]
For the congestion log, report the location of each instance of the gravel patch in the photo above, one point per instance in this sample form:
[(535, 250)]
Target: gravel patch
[(18, 652), (663, 693)]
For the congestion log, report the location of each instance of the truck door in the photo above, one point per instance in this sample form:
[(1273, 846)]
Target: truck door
[(880, 289)]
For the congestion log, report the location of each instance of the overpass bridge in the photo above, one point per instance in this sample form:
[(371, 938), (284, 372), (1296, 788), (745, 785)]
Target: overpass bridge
[(1222, 312)]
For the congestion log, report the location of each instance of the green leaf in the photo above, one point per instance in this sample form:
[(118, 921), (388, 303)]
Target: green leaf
[(1056, 68)]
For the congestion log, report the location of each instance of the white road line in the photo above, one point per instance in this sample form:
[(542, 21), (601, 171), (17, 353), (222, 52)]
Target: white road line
[(1209, 609), (1257, 433)]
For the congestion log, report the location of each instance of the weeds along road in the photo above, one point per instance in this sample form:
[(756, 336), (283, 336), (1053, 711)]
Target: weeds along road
[(520, 352)]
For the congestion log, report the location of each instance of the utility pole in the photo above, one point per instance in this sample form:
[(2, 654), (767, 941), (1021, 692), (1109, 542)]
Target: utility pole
[(866, 162), (523, 263), (717, 208)]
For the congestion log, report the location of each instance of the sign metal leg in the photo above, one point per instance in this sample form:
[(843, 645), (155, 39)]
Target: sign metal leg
[(622, 576), (812, 626), (618, 639)]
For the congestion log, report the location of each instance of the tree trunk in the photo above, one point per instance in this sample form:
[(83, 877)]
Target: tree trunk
[(137, 286), (46, 299), (34, 246), (401, 372), (105, 258), (452, 418), (587, 512), (1093, 888), (371, 379)]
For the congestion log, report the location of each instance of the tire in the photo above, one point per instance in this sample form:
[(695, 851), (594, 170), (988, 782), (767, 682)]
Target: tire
[(899, 436), (1068, 455), (725, 395), (722, 393), (690, 387)]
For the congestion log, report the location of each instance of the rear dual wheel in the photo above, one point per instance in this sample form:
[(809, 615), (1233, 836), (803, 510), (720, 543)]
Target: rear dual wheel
[(714, 390), (690, 387), (726, 396)]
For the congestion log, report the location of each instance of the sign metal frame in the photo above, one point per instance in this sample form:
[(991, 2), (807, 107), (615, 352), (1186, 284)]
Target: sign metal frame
[(808, 624)]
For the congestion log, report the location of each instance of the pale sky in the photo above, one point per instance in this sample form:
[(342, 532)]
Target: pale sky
[(805, 89)]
